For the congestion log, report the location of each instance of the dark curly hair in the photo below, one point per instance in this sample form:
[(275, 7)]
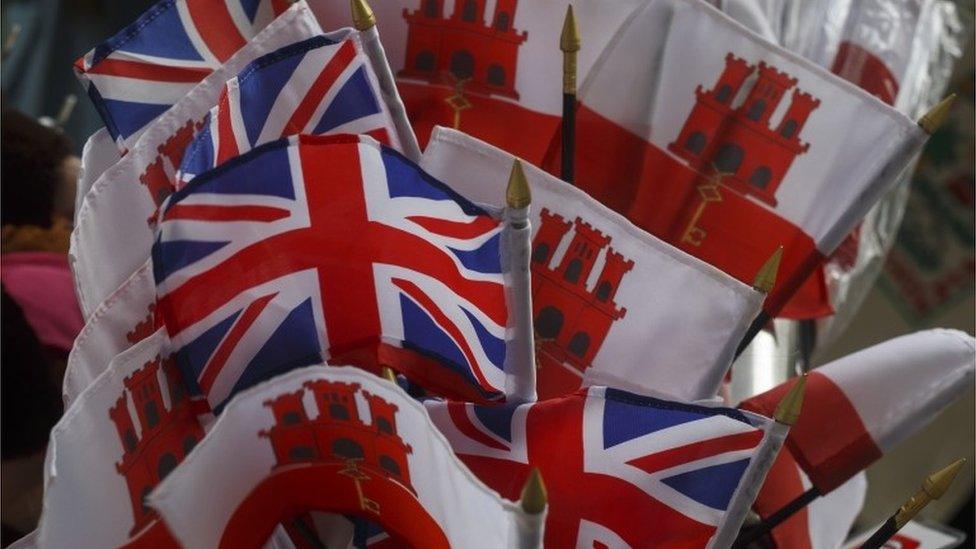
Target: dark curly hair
[(31, 156)]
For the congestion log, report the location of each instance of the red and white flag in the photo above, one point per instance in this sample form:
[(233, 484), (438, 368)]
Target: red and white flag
[(727, 146), (503, 56), (862, 405), (129, 429), (337, 440), (612, 305)]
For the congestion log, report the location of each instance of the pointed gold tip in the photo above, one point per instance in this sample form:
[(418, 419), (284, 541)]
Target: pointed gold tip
[(932, 120), (534, 498), (938, 482), (570, 40), (362, 15), (388, 374), (766, 277), (788, 409), (518, 195)]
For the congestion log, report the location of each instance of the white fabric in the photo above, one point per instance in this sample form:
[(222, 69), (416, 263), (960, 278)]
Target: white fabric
[(683, 45), (107, 331), (898, 387), (98, 155), (831, 517), (234, 459), (684, 317), (112, 236)]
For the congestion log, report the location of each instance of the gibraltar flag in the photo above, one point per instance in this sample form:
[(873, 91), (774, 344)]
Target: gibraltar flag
[(335, 440), (493, 64), (862, 405), (612, 304), (129, 429), (727, 146)]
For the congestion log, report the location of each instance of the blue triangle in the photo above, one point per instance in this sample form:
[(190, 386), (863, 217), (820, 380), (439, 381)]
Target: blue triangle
[(194, 355), (712, 486)]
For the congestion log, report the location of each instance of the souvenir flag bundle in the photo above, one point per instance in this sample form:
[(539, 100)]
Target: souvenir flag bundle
[(300, 327)]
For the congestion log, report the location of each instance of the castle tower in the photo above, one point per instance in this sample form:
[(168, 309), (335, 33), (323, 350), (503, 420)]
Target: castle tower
[(469, 11), (391, 451), (609, 281), (552, 229), (730, 81), (801, 106), (292, 437), (765, 94), (578, 261)]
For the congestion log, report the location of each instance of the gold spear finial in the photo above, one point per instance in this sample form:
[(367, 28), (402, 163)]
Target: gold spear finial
[(788, 409), (933, 119), (534, 498), (766, 277), (934, 487), (569, 43), (518, 195), (362, 15), (388, 374)]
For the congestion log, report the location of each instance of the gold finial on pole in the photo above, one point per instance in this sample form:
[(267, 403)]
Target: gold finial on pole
[(569, 43), (388, 374), (534, 498), (517, 195), (932, 120), (788, 409), (933, 487), (766, 277), (362, 15)]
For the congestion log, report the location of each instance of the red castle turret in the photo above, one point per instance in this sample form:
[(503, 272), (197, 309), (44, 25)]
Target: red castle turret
[(739, 140), (165, 434), (468, 44), (337, 435), (572, 319)]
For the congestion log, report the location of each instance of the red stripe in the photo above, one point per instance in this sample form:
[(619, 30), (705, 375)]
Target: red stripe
[(216, 27), (226, 139), (263, 214), (455, 229), (220, 356), (326, 79), (381, 135), (148, 71), (459, 414), (697, 450)]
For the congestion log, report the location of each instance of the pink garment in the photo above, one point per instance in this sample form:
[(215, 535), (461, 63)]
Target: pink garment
[(41, 283)]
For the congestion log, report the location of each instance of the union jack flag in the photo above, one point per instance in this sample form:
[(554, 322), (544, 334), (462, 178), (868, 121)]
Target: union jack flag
[(322, 85), (312, 248), (136, 75), (622, 470)]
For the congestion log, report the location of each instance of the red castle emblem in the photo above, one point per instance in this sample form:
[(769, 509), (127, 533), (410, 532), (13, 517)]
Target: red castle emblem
[(464, 45), (571, 319), (166, 434), (738, 142)]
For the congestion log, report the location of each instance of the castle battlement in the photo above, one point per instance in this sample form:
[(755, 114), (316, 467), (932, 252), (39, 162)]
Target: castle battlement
[(769, 72)]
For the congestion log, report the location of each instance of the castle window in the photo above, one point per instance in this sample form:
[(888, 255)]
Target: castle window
[(166, 465), (724, 94), (189, 443), (573, 270), (129, 440), (291, 418), (502, 21), (788, 129), (695, 142), (756, 110), (728, 158), (496, 75), (390, 465), (338, 411), (549, 323), (431, 9), (176, 392), (152, 414), (760, 178), (462, 64), (541, 253), (301, 453), (470, 11), (347, 448), (579, 344), (425, 61), (384, 425), (603, 291)]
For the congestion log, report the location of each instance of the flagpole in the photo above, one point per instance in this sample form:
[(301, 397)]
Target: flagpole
[(569, 44), (763, 282), (929, 122), (520, 357), (934, 487), (365, 22), (777, 518), (533, 504), (786, 414)]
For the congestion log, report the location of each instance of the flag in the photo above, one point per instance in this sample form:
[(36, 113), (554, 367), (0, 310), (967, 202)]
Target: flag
[(330, 439), (494, 65), (122, 320), (621, 470), (150, 65), (98, 155), (129, 429), (312, 248), (612, 305), (728, 147), (312, 87), (864, 404)]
